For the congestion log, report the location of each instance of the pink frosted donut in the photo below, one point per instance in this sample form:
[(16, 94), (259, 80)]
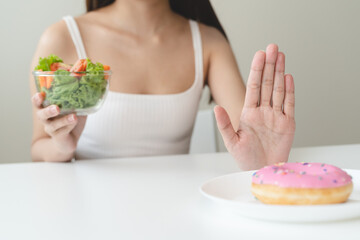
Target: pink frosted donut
[(301, 183)]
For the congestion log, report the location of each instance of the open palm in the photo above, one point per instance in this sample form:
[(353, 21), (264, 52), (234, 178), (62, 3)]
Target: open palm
[(267, 124)]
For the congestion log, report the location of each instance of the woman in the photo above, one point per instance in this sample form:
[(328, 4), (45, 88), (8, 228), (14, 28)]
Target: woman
[(150, 110)]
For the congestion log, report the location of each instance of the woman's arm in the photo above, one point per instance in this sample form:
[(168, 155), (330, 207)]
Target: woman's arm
[(54, 137), (223, 76), (263, 131)]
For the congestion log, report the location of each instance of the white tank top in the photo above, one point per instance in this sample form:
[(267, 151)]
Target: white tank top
[(129, 125)]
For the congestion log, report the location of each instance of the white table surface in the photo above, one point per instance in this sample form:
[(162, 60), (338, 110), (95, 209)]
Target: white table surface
[(145, 198)]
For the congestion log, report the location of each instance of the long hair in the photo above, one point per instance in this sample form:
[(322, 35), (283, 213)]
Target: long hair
[(199, 10)]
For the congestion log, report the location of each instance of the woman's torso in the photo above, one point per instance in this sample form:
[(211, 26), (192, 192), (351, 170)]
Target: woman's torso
[(141, 64), (155, 91)]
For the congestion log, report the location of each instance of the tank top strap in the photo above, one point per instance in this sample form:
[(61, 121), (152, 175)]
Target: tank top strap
[(75, 35), (196, 37)]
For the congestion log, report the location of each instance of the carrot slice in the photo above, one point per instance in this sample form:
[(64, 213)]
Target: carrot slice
[(49, 80), (54, 66), (42, 82), (106, 68), (59, 65), (84, 65), (79, 66)]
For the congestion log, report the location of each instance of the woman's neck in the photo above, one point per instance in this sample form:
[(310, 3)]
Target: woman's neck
[(141, 17)]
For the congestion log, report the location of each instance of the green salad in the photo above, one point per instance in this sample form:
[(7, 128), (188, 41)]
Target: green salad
[(77, 86)]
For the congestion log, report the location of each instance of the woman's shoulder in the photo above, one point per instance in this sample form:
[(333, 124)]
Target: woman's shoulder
[(213, 41), (56, 39), (211, 35), (56, 34)]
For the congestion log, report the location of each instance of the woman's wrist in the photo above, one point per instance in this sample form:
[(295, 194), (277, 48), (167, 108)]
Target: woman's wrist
[(48, 150)]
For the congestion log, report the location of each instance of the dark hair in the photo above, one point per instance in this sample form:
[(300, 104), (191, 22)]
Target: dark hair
[(199, 10)]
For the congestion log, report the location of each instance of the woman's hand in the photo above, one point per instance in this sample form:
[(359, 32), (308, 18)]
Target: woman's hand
[(267, 124), (65, 130)]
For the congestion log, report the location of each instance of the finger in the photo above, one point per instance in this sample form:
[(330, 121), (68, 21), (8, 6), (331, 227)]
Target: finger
[(37, 100), (254, 82), (268, 74), (73, 120), (53, 126), (48, 112), (289, 101), (279, 85), (225, 127), (64, 130)]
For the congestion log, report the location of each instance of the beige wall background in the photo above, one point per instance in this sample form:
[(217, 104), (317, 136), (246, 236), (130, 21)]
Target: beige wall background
[(320, 39)]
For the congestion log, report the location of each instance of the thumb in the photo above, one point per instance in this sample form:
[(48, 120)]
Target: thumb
[(224, 125)]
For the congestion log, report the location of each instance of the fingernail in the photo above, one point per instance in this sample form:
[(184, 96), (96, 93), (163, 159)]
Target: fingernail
[(71, 118), (37, 99), (53, 109)]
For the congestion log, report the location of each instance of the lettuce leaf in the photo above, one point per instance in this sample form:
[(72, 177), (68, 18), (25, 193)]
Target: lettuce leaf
[(45, 63), (94, 67)]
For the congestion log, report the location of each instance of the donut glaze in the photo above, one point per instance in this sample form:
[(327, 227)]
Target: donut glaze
[(302, 175)]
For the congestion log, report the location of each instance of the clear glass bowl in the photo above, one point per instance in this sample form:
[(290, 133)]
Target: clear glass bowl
[(78, 92)]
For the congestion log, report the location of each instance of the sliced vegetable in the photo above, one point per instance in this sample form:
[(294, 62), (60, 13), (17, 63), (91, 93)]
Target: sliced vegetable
[(59, 65), (79, 66), (106, 68), (42, 82), (49, 80)]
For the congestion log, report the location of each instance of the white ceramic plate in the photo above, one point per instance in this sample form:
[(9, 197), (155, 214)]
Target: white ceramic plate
[(233, 192)]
